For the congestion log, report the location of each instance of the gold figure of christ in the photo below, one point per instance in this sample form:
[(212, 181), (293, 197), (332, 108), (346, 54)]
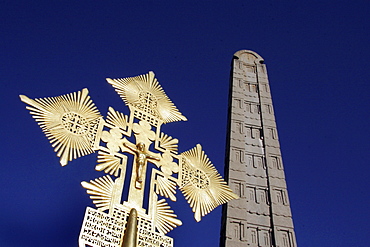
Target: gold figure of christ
[(142, 157)]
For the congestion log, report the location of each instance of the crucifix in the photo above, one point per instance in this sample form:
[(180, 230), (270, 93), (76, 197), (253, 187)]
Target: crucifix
[(75, 128), (142, 156)]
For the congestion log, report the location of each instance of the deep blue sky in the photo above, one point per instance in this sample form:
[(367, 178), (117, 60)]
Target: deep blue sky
[(317, 55)]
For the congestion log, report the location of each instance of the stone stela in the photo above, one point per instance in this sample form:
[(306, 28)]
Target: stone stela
[(254, 168)]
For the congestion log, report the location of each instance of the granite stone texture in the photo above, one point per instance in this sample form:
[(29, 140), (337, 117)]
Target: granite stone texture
[(254, 167)]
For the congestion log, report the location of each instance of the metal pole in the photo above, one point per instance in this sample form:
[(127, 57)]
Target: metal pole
[(130, 237)]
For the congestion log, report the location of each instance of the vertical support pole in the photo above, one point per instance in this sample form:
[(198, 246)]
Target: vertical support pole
[(130, 236)]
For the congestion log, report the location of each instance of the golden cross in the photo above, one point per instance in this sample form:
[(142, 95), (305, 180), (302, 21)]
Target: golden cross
[(75, 128)]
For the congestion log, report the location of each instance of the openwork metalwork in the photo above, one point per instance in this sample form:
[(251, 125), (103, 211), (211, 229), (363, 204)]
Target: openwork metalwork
[(75, 128)]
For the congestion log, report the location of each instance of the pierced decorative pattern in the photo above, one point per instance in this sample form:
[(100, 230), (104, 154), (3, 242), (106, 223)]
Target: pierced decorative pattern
[(199, 179), (201, 184), (101, 190), (148, 103), (144, 93), (100, 229), (146, 117), (75, 128), (75, 123), (69, 121)]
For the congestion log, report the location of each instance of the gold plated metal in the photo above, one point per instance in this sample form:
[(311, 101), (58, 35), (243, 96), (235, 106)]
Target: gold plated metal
[(130, 237), (71, 122), (130, 145)]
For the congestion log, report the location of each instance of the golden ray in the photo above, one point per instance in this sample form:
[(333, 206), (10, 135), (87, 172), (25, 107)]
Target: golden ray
[(117, 119), (168, 143), (165, 219), (101, 191), (166, 188), (70, 122), (109, 163)]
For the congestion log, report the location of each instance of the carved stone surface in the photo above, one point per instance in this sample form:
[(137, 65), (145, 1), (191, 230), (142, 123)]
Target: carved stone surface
[(254, 168)]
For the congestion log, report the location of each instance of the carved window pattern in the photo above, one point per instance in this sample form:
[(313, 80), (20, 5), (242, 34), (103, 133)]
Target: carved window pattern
[(253, 107), (272, 133), (241, 65), (247, 106), (285, 239), (249, 160), (281, 197), (242, 231), (238, 127), (276, 162), (268, 109), (242, 156), (258, 162), (251, 194), (238, 103), (252, 87), (266, 239), (248, 132), (241, 127), (262, 196), (250, 69), (254, 133), (239, 189), (256, 109), (239, 155), (238, 231), (255, 161), (254, 237), (267, 88), (241, 83)]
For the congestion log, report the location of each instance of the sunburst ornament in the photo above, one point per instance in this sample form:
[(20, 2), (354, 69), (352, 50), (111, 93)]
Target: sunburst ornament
[(101, 191), (69, 121), (165, 219), (144, 93), (201, 184)]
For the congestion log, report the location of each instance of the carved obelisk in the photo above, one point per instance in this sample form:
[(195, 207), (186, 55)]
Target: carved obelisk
[(254, 168)]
